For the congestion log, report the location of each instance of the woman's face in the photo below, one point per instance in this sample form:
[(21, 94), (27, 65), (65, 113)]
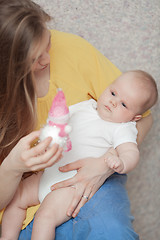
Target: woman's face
[(41, 58)]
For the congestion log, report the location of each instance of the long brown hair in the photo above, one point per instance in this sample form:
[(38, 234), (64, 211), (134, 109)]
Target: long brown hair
[(22, 24)]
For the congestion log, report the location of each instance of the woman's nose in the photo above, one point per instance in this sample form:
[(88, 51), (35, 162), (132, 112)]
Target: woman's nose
[(45, 59)]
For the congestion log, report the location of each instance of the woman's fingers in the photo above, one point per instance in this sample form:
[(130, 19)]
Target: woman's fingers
[(81, 196), (66, 183), (46, 161), (46, 154), (31, 137), (69, 182), (71, 166), (76, 199), (98, 182), (29, 157), (39, 148), (84, 198), (77, 209), (87, 191), (41, 156), (91, 173)]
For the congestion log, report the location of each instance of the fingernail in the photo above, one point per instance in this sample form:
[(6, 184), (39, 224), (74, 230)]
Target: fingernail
[(74, 215), (69, 214), (61, 149), (52, 188)]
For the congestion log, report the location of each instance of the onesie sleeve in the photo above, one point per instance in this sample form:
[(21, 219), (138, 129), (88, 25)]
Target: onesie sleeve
[(126, 132)]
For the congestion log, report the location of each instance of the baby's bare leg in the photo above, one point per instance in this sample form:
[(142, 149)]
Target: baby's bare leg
[(52, 213), (15, 213)]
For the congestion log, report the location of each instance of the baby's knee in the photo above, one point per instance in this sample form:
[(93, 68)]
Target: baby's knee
[(16, 200), (23, 198)]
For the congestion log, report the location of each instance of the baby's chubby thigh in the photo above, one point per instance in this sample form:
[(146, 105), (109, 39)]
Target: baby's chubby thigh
[(27, 192), (55, 205)]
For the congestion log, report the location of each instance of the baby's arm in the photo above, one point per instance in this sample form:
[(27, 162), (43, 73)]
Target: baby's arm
[(127, 159)]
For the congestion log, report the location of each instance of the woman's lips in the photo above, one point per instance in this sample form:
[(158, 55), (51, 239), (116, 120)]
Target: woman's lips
[(44, 67)]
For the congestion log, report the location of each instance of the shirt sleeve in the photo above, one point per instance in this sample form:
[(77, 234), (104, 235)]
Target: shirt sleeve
[(126, 132)]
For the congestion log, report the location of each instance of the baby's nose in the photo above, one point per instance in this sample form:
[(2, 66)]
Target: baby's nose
[(114, 104)]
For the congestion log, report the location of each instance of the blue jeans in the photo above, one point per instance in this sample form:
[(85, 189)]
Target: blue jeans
[(106, 216)]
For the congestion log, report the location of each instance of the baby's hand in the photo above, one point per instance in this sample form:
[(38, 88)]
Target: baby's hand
[(114, 162)]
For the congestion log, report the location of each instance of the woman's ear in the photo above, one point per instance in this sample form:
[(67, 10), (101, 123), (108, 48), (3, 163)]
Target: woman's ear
[(137, 117)]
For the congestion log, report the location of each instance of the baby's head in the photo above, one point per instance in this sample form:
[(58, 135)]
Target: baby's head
[(128, 97)]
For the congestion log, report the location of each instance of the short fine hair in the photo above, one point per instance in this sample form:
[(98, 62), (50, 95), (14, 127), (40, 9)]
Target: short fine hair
[(149, 84)]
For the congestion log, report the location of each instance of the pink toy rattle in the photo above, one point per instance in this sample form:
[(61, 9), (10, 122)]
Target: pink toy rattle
[(57, 123)]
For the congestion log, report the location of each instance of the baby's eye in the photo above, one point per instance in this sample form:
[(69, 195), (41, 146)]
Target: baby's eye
[(113, 93), (124, 105)]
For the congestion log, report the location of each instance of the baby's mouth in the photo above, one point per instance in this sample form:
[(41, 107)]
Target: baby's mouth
[(108, 108)]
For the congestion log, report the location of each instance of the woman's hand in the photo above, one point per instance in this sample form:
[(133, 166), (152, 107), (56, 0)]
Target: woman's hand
[(24, 158), (91, 174)]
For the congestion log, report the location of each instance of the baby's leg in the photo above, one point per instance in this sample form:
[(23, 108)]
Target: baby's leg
[(15, 212), (52, 213)]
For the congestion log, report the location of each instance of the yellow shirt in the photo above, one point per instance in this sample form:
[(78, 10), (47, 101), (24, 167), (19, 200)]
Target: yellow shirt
[(76, 67), (80, 70)]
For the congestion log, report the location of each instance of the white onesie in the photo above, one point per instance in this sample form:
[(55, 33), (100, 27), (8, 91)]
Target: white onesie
[(91, 137)]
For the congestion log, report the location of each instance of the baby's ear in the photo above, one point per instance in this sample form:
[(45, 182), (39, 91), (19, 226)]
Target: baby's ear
[(137, 117)]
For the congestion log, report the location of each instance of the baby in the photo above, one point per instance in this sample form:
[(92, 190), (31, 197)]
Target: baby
[(96, 126)]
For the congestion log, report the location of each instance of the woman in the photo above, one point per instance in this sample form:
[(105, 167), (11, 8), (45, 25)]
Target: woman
[(34, 62)]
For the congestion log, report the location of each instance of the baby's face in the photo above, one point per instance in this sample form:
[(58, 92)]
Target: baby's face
[(121, 101)]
